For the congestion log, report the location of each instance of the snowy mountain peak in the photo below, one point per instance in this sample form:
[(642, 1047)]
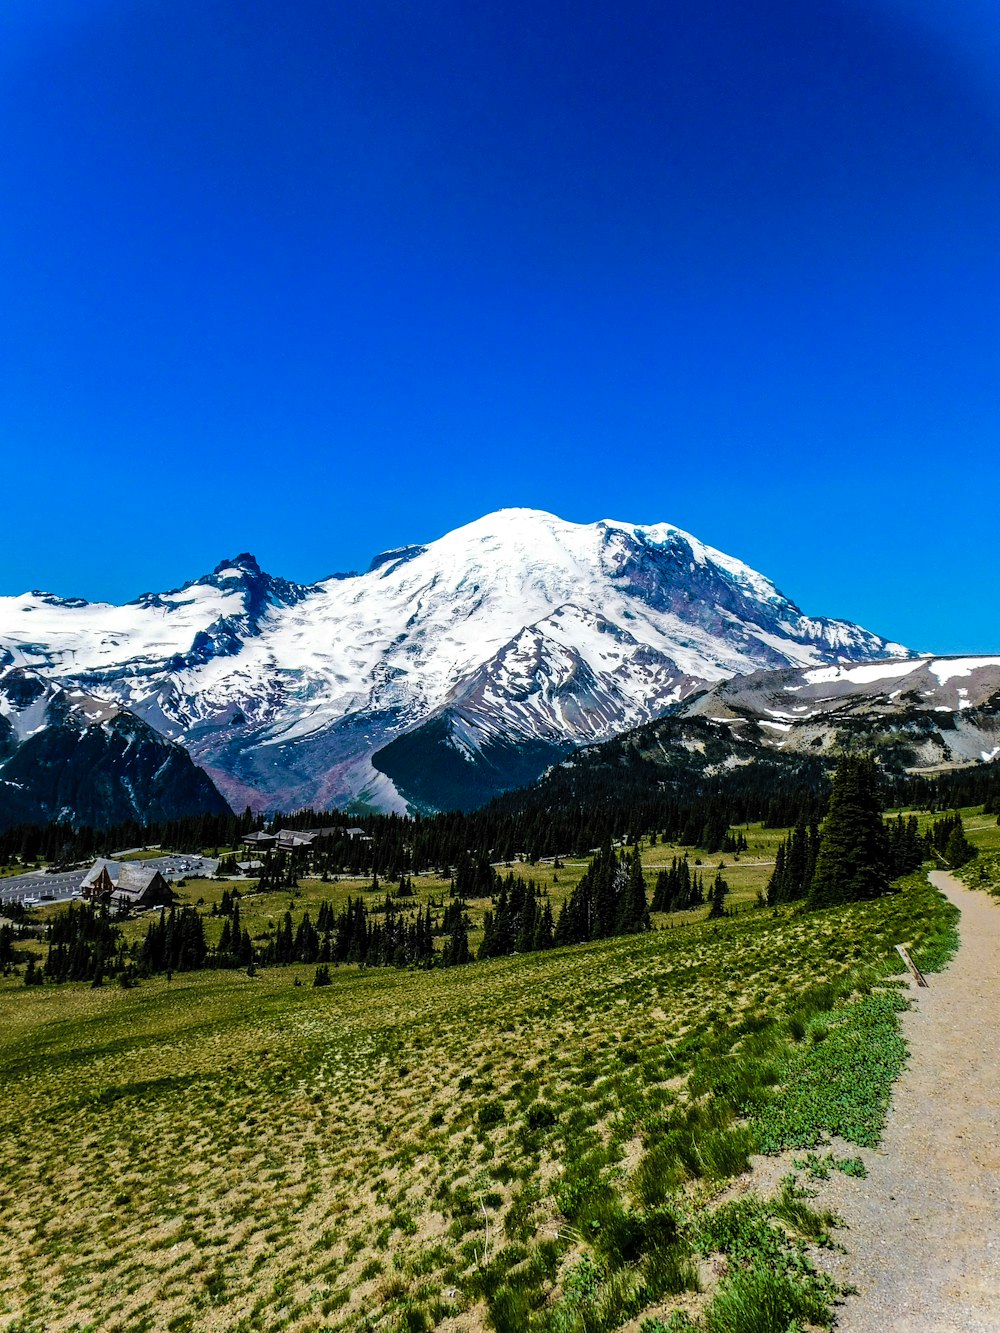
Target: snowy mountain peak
[(517, 634), (243, 577), (245, 560), (616, 548), (243, 567)]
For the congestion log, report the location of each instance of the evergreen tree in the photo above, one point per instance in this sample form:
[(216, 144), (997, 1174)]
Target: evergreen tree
[(677, 889), (633, 912), (775, 891), (794, 864), (305, 948), (958, 850), (609, 878), (544, 928), (852, 863), (456, 949), (720, 891), (946, 838), (225, 945), (405, 889), (609, 900), (83, 945), (906, 848)]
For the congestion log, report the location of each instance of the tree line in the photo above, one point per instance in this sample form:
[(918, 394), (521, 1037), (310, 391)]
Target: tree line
[(86, 944), (613, 792), (856, 854), (853, 855)]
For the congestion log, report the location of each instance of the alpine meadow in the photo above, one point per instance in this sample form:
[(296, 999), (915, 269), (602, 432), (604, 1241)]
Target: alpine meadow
[(378, 1087)]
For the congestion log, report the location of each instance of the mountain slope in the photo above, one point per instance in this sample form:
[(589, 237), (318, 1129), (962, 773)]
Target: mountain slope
[(776, 735), (69, 757), (450, 670), (920, 714)]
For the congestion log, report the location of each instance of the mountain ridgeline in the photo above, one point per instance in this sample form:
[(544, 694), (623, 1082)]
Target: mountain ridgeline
[(650, 781), (444, 675)]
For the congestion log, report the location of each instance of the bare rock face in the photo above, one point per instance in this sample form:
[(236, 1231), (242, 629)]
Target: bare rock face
[(445, 673), (920, 714)]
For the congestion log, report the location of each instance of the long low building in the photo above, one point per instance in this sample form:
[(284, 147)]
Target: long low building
[(124, 885), (259, 840), (291, 839)]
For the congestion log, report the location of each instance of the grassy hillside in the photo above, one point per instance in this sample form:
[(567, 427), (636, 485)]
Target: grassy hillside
[(746, 874), (983, 831), (536, 1142)]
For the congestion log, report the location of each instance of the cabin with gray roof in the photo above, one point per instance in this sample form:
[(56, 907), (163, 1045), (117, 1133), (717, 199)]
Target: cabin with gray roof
[(259, 839), (289, 839), (126, 885)]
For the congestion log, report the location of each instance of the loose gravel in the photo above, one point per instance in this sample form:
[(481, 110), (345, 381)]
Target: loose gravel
[(923, 1230)]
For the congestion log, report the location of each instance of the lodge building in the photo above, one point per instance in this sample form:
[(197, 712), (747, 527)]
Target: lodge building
[(125, 885)]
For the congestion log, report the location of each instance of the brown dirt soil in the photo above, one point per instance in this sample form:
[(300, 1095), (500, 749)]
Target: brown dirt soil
[(923, 1230)]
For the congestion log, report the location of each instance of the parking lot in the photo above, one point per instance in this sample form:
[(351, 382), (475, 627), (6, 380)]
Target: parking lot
[(40, 886)]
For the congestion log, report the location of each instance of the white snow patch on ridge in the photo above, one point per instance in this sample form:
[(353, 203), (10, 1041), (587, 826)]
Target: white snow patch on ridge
[(99, 635), (962, 666), (865, 674)]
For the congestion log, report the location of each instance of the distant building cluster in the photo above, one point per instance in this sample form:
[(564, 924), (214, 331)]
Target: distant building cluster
[(127, 886), (290, 840)]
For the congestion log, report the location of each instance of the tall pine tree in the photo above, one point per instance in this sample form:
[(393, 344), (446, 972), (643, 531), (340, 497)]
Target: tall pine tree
[(853, 858)]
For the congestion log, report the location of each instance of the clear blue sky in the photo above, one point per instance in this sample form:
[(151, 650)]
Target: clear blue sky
[(315, 279)]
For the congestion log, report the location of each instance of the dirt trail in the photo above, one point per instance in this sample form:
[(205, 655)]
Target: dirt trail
[(924, 1228)]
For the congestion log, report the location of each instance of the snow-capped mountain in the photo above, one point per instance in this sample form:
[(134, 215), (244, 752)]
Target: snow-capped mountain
[(443, 673)]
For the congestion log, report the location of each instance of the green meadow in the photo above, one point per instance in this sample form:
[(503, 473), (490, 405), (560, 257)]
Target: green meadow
[(541, 1142), (746, 874)]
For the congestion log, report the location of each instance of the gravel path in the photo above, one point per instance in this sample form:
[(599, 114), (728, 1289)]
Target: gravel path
[(924, 1228)]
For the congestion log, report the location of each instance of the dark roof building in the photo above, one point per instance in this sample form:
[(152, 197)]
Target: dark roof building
[(290, 838), (259, 839), (126, 884)]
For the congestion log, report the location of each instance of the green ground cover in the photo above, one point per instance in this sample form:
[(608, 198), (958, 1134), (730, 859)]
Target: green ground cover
[(983, 872), (747, 875), (534, 1143)]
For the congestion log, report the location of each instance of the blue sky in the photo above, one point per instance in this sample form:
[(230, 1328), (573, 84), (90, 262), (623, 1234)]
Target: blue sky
[(314, 280)]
